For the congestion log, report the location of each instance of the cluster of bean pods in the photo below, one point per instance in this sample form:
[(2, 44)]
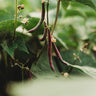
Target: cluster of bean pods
[(50, 43)]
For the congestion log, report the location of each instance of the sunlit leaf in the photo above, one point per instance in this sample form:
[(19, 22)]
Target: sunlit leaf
[(91, 3)]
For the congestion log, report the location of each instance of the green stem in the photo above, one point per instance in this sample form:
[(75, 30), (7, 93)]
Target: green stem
[(71, 68), (22, 74), (15, 23), (42, 50), (5, 56), (57, 13)]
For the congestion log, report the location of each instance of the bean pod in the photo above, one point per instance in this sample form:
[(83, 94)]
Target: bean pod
[(49, 50), (45, 32), (41, 20), (58, 54)]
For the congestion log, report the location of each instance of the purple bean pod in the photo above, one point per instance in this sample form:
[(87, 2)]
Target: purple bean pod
[(41, 20), (30, 75), (45, 32), (49, 50), (58, 53)]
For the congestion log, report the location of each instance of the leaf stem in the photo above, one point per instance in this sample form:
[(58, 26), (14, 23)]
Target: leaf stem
[(15, 23), (57, 13), (22, 73), (6, 63), (41, 51)]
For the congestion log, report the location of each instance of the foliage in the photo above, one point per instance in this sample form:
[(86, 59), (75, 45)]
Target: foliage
[(23, 56)]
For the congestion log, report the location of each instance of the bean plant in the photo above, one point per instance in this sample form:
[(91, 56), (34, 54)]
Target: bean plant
[(46, 37)]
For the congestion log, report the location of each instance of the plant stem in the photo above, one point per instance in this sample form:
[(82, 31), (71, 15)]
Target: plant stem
[(5, 57), (47, 12), (71, 68), (41, 51), (15, 23), (57, 13), (22, 73)]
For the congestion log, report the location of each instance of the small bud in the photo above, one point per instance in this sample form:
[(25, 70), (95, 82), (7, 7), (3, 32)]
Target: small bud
[(19, 6), (79, 59), (27, 68), (81, 49), (86, 44), (20, 16), (53, 39), (66, 74), (94, 48), (74, 54), (22, 6), (26, 22)]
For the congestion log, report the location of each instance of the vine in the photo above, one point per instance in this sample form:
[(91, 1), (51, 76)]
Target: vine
[(56, 17), (15, 23)]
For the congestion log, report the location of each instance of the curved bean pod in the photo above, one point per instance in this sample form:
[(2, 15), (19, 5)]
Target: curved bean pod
[(41, 20), (49, 50)]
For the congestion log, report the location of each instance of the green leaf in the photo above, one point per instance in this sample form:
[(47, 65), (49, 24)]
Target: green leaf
[(61, 41), (9, 48), (43, 67), (7, 27), (91, 3), (4, 15), (71, 12), (85, 64), (21, 44), (86, 60), (65, 4), (66, 35), (91, 71), (80, 7), (91, 14)]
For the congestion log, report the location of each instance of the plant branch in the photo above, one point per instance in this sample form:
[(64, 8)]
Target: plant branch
[(41, 51), (41, 20), (57, 13), (5, 58), (22, 74), (15, 23), (47, 12)]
